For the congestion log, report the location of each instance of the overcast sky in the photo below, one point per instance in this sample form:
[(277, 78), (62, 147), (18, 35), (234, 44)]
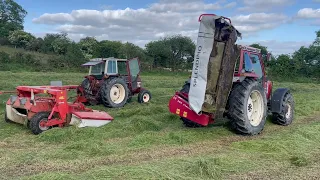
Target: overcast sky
[(282, 25)]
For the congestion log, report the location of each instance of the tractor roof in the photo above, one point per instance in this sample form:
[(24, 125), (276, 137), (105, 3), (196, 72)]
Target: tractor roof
[(249, 48), (95, 61), (109, 58)]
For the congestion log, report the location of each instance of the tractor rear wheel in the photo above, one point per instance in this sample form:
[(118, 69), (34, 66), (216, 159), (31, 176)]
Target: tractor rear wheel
[(88, 93), (36, 122), (114, 93), (286, 116), (247, 107)]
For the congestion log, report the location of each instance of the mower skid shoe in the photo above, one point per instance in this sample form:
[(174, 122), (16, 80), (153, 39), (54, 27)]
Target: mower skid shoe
[(180, 107), (90, 119)]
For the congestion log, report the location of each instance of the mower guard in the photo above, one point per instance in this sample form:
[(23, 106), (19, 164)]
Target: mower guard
[(179, 106)]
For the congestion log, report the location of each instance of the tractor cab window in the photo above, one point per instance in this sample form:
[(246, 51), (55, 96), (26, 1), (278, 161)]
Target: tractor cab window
[(97, 69), (134, 67), (122, 67), (256, 65), (247, 66), (112, 67)]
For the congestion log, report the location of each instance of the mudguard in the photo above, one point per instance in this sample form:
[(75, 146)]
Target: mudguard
[(277, 99)]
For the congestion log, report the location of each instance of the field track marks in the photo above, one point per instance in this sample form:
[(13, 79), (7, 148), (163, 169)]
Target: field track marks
[(145, 155)]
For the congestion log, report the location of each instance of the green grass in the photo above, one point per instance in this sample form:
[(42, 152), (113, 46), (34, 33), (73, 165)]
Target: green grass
[(146, 142)]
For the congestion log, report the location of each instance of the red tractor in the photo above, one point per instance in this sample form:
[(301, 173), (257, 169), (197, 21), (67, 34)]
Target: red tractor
[(112, 82), (229, 80)]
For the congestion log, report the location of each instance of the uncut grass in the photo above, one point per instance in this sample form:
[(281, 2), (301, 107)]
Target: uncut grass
[(138, 129)]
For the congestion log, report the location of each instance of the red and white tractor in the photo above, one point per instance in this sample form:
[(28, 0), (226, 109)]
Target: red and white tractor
[(112, 82), (229, 80)]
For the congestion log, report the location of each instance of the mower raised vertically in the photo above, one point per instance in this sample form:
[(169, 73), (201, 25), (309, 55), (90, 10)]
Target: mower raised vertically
[(112, 82), (229, 80), (43, 107)]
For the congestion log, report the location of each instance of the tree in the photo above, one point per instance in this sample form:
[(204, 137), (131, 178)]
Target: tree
[(173, 51), (35, 44), (21, 39), (56, 43), (73, 57), (11, 17), (107, 49), (317, 40), (87, 46)]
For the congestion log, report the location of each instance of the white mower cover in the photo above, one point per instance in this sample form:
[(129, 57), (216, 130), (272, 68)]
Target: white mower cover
[(77, 121), (203, 50)]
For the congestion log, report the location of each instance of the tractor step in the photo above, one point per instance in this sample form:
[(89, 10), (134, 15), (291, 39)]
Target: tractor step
[(90, 119)]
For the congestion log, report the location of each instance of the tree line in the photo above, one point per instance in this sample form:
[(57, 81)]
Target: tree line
[(172, 52)]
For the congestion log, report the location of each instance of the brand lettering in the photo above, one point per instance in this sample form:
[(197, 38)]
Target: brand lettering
[(196, 66)]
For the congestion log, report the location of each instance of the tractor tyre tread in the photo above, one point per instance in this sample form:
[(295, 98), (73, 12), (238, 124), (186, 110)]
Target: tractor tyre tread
[(105, 92), (237, 107), (35, 121), (85, 83), (280, 118)]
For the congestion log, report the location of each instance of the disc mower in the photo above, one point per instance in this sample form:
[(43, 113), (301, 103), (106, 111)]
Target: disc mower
[(44, 107), (112, 82), (229, 81)]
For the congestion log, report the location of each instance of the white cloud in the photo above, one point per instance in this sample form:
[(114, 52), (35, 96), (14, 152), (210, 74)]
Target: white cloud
[(258, 21), (309, 13), (166, 17)]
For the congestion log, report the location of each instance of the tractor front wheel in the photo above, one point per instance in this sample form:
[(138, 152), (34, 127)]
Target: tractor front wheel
[(36, 122), (114, 93), (248, 107), (144, 96), (286, 116)]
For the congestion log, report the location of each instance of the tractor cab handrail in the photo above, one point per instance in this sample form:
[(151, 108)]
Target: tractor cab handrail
[(200, 17)]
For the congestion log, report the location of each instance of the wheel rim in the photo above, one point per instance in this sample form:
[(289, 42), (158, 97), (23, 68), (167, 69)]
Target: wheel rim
[(42, 125), (117, 93), (145, 97), (288, 114), (255, 108)]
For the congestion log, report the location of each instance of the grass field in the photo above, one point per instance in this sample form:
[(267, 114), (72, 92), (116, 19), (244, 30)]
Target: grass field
[(146, 142)]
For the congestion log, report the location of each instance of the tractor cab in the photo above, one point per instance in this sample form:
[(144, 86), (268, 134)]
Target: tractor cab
[(112, 82), (99, 67)]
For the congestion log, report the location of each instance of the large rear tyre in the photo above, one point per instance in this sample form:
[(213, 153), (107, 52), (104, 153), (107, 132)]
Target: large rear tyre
[(285, 117), (36, 122), (248, 107), (114, 93), (88, 94)]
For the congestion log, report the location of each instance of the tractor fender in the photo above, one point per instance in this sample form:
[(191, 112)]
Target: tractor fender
[(276, 99)]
